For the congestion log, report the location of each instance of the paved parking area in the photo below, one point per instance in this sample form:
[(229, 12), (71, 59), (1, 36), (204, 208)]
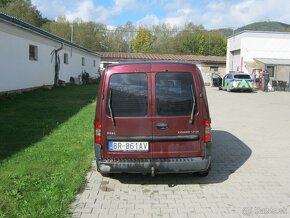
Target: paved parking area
[(250, 174)]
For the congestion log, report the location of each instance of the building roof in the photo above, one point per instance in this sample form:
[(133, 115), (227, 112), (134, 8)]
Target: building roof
[(253, 33), (29, 27), (273, 61), (171, 57)]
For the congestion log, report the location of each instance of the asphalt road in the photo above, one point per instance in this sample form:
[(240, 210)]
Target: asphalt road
[(250, 174)]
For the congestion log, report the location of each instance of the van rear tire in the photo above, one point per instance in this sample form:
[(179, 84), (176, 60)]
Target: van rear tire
[(204, 173)]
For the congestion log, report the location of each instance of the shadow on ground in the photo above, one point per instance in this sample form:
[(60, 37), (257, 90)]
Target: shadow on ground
[(229, 154), (27, 118)]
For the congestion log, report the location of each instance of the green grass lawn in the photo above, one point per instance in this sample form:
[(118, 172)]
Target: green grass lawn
[(46, 139)]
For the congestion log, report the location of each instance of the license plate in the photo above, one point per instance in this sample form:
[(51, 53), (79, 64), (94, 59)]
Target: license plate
[(128, 146)]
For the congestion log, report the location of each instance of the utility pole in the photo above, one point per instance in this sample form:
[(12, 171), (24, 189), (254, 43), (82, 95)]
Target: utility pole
[(71, 32), (71, 36), (208, 43)]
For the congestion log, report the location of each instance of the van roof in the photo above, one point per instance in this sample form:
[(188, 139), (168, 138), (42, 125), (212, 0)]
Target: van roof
[(151, 62)]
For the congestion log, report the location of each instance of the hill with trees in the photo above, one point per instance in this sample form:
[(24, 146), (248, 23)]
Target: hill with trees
[(259, 26)]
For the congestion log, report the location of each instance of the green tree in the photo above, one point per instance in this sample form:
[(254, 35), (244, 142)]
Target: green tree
[(164, 39), (143, 41), (191, 40), (116, 40), (201, 38), (61, 27), (217, 43), (197, 41), (184, 43), (90, 35), (24, 10), (3, 3)]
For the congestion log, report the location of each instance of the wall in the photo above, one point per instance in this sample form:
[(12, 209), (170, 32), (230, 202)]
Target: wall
[(206, 73), (18, 72), (265, 48), (74, 66), (282, 73)]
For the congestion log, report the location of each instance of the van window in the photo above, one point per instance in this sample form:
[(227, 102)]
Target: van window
[(128, 95), (174, 92)]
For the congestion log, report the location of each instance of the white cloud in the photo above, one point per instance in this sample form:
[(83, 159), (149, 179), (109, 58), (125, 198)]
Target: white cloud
[(84, 11), (180, 13), (225, 13), (236, 14), (123, 5), (148, 21), (51, 9), (210, 13), (87, 10)]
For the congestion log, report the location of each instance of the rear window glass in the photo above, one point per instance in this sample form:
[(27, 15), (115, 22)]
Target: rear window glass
[(128, 95), (242, 76), (174, 92)]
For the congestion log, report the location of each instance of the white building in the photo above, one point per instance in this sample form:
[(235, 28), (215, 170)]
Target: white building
[(251, 51), (27, 56)]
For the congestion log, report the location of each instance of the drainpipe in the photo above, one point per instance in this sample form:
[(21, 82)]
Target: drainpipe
[(289, 82), (55, 55)]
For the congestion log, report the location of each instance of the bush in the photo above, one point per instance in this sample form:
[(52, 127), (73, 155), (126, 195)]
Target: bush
[(85, 77)]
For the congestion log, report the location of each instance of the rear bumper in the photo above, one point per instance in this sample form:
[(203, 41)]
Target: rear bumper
[(168, 165), (241, 89)]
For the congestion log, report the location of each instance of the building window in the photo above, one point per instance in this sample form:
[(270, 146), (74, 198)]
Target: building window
[(214, 69), (83, 61), (271, 71), (65, 58), (94, 63), (33, 52)]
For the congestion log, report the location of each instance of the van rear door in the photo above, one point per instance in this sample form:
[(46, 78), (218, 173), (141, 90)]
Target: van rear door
[(127, 126), (177, 121)]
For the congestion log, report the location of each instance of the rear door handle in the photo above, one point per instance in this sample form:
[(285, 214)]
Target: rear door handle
[(162, 126)]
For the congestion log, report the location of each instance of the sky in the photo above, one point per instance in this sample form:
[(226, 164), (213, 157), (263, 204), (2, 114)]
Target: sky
[(212, 14)]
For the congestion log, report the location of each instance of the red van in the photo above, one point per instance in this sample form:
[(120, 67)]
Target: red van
[(152, 117)]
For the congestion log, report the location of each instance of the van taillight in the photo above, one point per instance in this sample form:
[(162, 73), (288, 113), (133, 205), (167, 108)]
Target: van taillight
[(98, 127), (207, 131)]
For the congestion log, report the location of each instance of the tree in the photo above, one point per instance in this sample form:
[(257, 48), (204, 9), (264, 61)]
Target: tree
[(184, 43), (191, 40), (129, 33), (143, 41), (217, 43), (3, 3), (24, 10), (163, 39), (116, 40), (61, 27), (90, 35)]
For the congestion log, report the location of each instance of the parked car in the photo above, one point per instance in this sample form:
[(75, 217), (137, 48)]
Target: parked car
[(152, 117), (237, 82)]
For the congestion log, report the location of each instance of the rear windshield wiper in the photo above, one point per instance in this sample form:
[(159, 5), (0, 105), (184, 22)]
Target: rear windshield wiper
[(193, 105), (110, 108)]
